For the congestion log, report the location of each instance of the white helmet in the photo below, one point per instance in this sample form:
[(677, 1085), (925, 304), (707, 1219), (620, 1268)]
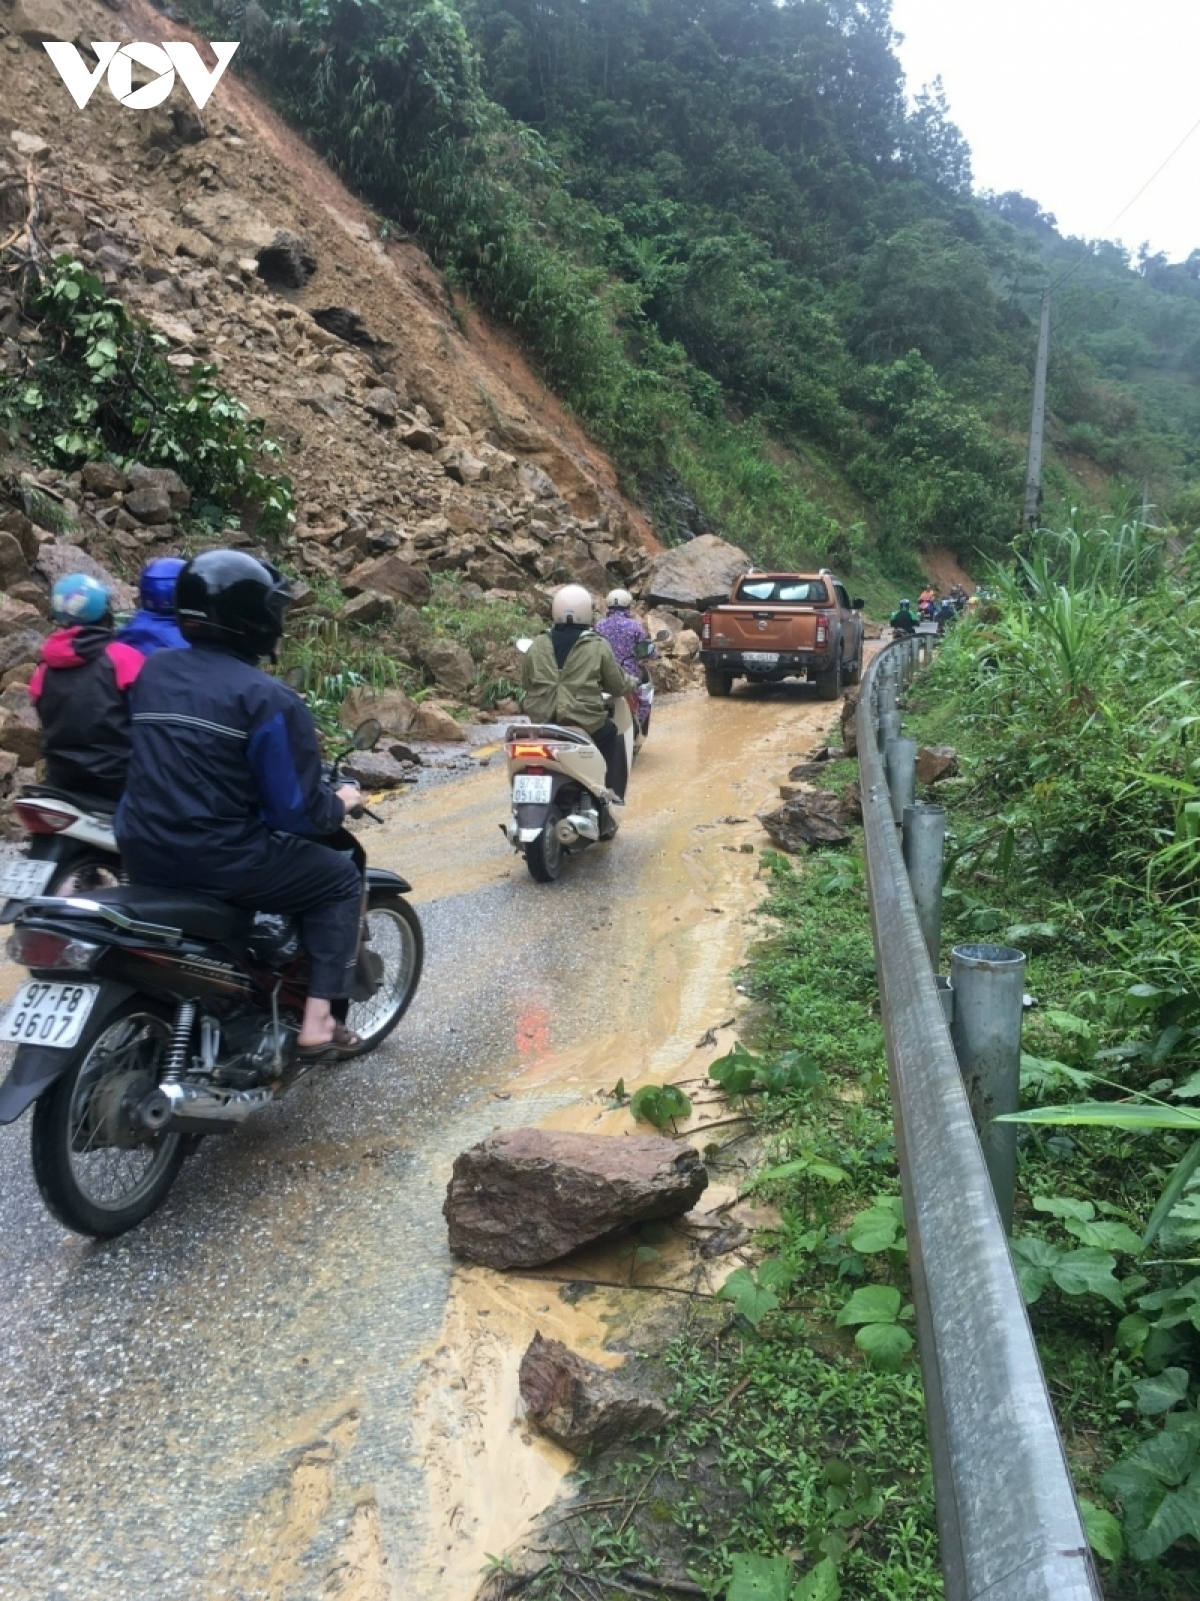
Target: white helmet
[(572, 604), (620, 599)]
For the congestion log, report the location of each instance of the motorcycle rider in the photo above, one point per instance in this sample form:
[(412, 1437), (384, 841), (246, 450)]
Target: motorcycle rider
[(625, 634), (568, 670), (80, 691), (225, 792), (902, 620), (153, 627)]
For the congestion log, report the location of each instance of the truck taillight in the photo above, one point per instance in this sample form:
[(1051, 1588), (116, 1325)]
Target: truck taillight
[(822, 630), (706, 628)]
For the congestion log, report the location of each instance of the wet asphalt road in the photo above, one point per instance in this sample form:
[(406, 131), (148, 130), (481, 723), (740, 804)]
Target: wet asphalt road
[(220, 1403)]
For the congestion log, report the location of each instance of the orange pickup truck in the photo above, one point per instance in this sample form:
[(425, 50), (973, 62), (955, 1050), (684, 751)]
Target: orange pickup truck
[(784, 625)]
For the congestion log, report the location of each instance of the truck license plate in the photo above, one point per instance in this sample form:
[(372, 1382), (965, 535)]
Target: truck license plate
[(48, 1014), (24, 878), (761, 658), (532, 789)]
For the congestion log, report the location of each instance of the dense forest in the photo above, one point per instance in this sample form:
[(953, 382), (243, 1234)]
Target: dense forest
[(753, 262)]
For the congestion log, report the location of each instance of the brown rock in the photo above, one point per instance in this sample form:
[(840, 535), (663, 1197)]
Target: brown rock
[(805, 772), (404, 753), (686, 644), (463, 467), (102, 478), (15, 616), (418, 437), (177, 492), (377, 770), (850, 806), (19, 648), (451, 665), (8, 768), (850, 724), (13, 567), (391, 708), (369, 607), (533, 1195), (434, 722), (33, 595), (150, 504), (27, 536), (494, 571), (935, 762), (809, 820), (389, 575), (581, 1406), (697, 574), (19, 728)]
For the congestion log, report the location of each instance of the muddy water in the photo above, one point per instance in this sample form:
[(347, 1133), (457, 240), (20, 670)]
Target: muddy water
[(282, 1386)]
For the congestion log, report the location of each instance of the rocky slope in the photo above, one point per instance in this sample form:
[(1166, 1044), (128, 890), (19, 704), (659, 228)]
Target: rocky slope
[(418, 441)]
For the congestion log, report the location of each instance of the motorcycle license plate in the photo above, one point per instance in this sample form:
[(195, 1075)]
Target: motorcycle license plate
[(532, 789), (23, 879), (761, 658), (48, 1014)]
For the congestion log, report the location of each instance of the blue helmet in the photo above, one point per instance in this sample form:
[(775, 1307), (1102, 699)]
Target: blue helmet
[(79, 598), (156, 587)]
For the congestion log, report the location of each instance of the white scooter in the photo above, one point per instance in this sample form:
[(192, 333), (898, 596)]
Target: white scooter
[(72, 848), (560, 801)]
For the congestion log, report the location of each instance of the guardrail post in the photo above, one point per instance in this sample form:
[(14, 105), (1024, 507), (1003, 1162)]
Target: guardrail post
[(924, 839), (989, 983), (900, 757), (889, 727)]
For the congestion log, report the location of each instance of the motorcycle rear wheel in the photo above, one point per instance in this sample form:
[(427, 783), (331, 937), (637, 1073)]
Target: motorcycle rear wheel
[(90, 1184), (544, 855), (394, 934), (86, 873)]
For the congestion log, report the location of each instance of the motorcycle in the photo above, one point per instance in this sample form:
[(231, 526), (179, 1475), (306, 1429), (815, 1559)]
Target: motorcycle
[(153, 1017), (72, 848), (560, 800)]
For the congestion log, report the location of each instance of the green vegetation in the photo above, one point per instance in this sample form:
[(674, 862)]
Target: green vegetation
[(756, 271), (100, 386), (797, 1469), (1072, 706)]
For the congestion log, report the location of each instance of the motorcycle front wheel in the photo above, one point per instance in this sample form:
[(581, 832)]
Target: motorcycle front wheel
[(96, 1172), (394, 936)]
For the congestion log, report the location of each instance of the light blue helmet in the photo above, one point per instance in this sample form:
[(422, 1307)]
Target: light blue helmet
[(79, 598)]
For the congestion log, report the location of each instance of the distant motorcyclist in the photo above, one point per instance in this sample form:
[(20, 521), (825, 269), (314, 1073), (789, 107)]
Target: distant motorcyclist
[(226, 792), (567, 672), (153, 627), (927, 600), (625, 634), (902, 620), (80, 691)]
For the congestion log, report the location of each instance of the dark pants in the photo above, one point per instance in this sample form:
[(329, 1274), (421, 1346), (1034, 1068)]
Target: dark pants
[(612, 747), (319, 886)]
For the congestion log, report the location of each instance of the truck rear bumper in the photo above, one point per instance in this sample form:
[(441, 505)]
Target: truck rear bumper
[(789, 663)]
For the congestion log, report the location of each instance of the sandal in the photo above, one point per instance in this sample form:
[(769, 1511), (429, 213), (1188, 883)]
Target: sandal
[(342, 1043)]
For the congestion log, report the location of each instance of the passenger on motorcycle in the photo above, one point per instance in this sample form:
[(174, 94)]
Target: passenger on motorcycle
[(80, 691), (153, 627), (226, 793), (566, 674), (625, 634)]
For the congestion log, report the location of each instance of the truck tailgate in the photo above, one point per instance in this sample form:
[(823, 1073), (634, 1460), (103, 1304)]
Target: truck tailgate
[(764, 628)]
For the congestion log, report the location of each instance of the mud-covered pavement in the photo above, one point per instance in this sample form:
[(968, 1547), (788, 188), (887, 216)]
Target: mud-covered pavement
[(281, 1386)]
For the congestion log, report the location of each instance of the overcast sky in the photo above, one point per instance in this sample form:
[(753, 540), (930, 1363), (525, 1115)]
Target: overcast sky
[(1075, 103)]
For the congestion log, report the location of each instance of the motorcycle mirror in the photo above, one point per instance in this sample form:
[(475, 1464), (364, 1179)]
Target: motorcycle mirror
[(295, 678), (857, 605), (523, 645), (366, 735)]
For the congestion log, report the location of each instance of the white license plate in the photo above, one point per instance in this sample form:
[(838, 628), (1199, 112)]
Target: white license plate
[(48, 1014), (23, 879), (532, 789), (761, 658)]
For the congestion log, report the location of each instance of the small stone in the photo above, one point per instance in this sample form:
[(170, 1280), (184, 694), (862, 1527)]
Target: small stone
[(935, 762), (378, 770), (421, 438), (369, 607), (808, 820), (451, 665), (391, 708), (163, 478), (104, 479), (381, 403), (404, 753), (580, 1405), (29, 144), (13, 568), (389, 575), (149, 504)]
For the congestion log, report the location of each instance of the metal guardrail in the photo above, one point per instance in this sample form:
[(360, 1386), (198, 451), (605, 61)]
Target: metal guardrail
[(1008, 1519)]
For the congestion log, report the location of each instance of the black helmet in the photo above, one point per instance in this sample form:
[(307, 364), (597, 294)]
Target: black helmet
[(224, 597)]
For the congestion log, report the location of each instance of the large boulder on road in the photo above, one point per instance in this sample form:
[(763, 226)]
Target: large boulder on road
[(806, 822), (698, 574), (581, 1405), (533, 1195)]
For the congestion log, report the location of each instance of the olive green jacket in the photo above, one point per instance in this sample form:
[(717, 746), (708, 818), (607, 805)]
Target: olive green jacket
[(572, 695)]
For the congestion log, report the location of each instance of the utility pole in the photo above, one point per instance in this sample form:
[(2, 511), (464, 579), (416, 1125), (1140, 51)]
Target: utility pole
[(1037, 428)]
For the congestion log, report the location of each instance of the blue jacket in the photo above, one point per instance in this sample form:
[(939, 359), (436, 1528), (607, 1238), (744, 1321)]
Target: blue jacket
[(147, 631), (223, 756)]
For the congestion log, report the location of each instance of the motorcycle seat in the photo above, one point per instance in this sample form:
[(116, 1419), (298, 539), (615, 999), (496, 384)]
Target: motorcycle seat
[(201, 916), (77, 797)]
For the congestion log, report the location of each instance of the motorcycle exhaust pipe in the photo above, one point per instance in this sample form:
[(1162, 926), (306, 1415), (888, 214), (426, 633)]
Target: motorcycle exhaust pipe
[(579, 825), (196, 1108)]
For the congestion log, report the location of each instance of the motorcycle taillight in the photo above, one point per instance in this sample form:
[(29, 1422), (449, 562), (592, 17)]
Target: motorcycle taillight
[(522, 750), (40, 948), (39, 819)]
